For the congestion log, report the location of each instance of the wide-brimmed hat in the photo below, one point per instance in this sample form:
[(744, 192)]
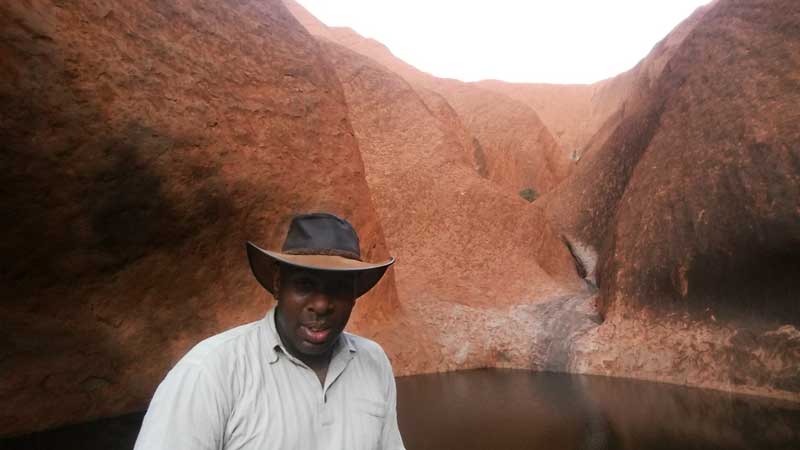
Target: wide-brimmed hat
[(318, 241)]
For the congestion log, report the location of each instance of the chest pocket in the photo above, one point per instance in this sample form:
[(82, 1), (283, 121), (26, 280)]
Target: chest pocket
[(370, 416), (370, 406)]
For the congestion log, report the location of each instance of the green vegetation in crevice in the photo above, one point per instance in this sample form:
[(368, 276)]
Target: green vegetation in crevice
[(529, 194)]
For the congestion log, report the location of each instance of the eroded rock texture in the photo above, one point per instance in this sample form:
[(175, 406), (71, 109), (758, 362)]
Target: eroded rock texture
[(566, 110), (683, 207), (692, 206), (510, 144), (506, 141), (142, 144), (478, 272), (469, 254), (575, 113)]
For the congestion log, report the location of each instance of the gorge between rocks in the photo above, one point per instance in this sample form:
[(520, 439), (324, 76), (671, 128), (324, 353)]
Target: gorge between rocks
[(645, 227)]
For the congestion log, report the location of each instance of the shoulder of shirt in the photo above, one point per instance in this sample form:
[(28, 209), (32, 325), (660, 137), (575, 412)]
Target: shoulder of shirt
[(220, 348), (367, 347), (363, 344)]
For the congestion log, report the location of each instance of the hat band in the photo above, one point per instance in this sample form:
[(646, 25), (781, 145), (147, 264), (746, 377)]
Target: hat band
[(324, 251)]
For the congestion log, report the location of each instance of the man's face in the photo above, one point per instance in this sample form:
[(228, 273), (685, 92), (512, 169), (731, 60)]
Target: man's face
[(313, 308)]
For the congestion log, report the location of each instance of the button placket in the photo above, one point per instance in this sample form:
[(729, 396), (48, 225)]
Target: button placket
[(325, 410)]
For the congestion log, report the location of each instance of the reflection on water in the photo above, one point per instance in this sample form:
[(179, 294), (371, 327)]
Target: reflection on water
[(508, 410)]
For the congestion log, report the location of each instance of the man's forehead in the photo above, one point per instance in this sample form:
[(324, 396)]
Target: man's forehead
[(287, 270)]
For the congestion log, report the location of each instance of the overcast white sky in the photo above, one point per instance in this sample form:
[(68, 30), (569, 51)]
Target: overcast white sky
[(558, 41)]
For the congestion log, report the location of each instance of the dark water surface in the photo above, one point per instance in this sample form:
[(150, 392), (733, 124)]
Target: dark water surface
[(497, 409), (514, 409)]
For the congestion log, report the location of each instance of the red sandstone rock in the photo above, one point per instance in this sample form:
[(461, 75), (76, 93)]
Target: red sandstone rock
[(143, 143), (509, 144), (478, 271), (566, 110), (474, 263), (579, 205), (692, 206), (575, 113)]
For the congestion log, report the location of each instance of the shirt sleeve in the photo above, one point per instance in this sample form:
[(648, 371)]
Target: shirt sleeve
[(187, 412), (390, 437)]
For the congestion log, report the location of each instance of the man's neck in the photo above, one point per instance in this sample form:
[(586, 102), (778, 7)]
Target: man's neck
[(318, 363)]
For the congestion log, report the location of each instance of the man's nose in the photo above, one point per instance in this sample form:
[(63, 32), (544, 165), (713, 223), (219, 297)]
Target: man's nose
[(322, 303)]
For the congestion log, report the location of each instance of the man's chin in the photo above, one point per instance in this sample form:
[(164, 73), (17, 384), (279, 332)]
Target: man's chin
[(316, 349)]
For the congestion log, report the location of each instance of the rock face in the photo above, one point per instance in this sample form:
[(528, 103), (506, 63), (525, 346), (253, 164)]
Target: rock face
[(692, 207), (510, 145), (469, 254), (566, 110), (473, 297), (575, 113), (507, 142), (143, 143)]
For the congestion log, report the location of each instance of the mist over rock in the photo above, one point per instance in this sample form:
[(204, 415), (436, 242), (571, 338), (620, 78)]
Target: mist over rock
[(143, 144)]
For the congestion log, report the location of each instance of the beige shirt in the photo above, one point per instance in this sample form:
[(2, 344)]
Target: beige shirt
[(242, 390)]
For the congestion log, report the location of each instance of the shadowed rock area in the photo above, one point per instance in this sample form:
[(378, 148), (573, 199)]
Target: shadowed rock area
[(142, 144)]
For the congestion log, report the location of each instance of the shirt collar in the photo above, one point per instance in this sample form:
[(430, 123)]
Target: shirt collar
[(275, 346)]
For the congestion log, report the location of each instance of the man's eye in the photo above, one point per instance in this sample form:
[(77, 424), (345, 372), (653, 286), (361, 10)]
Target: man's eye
[(304, 286), (344, 288)]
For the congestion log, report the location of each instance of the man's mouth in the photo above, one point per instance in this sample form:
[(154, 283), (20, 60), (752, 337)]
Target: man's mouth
[(316, 334)]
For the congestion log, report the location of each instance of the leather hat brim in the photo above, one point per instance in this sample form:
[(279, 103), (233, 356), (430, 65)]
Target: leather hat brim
[(263, 263)]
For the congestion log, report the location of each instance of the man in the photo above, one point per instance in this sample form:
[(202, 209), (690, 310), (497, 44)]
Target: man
[(293, 380)]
